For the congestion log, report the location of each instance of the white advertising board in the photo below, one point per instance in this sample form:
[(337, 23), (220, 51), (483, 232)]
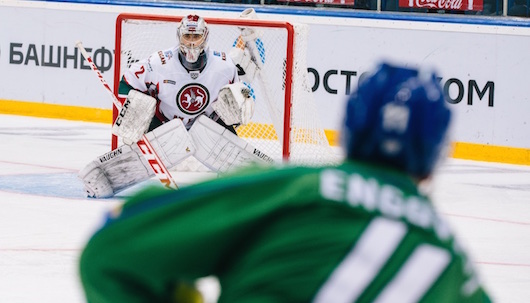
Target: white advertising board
[(483, 72), (483, 67), (40, 62)]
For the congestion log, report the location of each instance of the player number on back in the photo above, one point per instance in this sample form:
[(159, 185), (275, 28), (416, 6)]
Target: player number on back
[(363, 263)]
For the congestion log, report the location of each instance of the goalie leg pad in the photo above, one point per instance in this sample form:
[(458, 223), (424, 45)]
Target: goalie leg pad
[(126, 166), (172, 142), (219, 149), (114, 171), (97, 185)]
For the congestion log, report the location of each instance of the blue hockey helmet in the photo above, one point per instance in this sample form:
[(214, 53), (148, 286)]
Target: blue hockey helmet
[(398, 118)]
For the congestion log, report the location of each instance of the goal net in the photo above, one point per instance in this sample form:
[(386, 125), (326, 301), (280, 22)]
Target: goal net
[(285, 125)]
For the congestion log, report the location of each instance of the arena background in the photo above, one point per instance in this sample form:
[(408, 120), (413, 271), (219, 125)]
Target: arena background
[(483, 62)]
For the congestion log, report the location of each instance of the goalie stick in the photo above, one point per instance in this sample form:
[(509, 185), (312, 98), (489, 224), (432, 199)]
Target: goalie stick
[(258, 57), (147, 150)]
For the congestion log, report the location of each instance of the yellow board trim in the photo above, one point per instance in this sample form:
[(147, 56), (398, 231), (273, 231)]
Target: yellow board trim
[(56, 111), (491, 153), (461, 150)]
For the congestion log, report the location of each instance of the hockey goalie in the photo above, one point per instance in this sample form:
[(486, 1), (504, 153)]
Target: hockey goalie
[(187, 101)]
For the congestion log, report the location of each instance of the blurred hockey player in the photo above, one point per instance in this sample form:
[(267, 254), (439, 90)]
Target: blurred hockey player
[(188, 99), (361, 231)]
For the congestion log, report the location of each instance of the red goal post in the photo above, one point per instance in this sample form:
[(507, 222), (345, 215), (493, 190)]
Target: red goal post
[(286, 124)]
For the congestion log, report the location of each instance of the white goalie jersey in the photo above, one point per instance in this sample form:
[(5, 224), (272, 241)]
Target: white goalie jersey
[(182, 87), (182, 94)]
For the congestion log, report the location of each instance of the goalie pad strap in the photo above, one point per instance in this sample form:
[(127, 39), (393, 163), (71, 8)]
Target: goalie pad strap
[(126, 166)]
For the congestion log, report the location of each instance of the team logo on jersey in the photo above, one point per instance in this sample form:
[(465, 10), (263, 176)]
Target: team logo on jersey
[(193, 98)]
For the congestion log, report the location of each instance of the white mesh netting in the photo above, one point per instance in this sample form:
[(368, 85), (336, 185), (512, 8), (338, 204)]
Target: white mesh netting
[(308, 143)]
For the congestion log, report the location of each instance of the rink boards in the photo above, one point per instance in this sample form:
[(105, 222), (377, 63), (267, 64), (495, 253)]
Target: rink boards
[(481, 62)]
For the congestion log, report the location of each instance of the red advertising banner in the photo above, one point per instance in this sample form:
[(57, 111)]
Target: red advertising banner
[(330, 2), (457, 5)]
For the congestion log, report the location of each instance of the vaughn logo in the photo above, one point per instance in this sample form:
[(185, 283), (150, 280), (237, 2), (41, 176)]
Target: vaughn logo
[(110, 155), (262, 155), (459, 5)]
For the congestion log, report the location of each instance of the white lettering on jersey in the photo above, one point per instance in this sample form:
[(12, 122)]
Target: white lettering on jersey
[(370, 254), (357, 191), (362, 264)]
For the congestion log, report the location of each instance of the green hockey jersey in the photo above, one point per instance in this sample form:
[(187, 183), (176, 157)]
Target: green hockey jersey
[(351, 233)]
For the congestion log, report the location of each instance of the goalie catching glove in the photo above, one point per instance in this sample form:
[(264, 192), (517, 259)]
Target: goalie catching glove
[(134, 117), (234, 104)]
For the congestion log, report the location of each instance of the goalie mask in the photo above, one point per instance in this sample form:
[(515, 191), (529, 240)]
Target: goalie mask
[(192, 34)]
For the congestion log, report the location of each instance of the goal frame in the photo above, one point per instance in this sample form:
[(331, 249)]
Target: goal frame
[(289, 65)]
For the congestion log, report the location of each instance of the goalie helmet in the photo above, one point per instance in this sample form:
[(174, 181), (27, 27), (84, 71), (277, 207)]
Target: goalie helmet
[(397, 118), (192, 34)]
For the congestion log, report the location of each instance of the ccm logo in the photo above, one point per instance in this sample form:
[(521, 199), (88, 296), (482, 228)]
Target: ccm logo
[(123, 112)]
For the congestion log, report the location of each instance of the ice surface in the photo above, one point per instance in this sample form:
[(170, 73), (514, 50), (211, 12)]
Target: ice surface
[(45, 219)]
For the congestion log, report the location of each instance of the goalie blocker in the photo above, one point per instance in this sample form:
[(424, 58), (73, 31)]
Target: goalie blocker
[(211, 144), (135, 116)]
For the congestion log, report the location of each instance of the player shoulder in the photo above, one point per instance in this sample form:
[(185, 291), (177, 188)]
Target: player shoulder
[(161, 58), (278, 173), (220, 58)]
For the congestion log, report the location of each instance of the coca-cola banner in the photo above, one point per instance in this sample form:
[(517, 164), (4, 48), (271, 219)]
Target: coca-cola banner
[(456, 5), (331, 2)]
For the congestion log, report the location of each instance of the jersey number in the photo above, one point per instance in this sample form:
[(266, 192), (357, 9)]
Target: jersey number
[(141, 71), (368, 256)]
